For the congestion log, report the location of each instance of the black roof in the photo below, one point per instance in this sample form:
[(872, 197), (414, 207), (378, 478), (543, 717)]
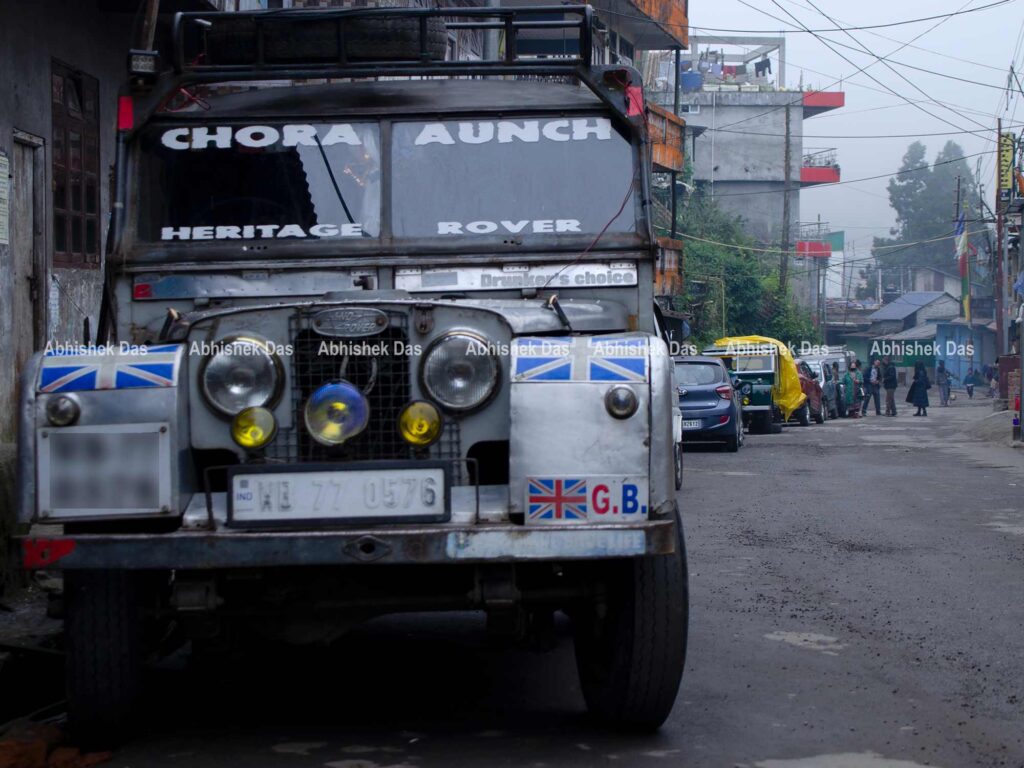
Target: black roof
[(395, 96)]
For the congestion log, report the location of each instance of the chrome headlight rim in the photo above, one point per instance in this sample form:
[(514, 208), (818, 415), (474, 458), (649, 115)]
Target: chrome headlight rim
[(494, 385), (268, 349)]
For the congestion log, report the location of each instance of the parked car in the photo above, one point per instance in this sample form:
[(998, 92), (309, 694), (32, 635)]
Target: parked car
[(842, 360), (829, 386), (815, 401), (711, 408)]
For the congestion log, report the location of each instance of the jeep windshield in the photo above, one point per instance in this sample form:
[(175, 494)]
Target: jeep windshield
[(510, 179)]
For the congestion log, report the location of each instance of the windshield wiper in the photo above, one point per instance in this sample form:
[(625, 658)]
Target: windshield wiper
[(334, 181)]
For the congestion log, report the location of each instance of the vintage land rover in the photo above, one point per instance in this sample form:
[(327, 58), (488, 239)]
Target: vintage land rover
[(368, 345)]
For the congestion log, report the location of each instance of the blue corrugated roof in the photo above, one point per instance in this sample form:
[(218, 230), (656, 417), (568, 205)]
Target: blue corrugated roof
[(906, 305)]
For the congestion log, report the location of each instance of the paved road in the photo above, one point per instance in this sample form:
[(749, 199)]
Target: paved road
[(856, 591)]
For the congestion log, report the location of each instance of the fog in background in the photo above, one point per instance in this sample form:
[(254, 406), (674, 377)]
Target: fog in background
[(978, 46)]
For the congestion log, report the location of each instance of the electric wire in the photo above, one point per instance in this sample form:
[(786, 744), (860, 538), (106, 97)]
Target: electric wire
[(862, 136), (864, 27), (941, 54), (874, 79), (779, 251), (858, 71), (888, 64), (854, 181)]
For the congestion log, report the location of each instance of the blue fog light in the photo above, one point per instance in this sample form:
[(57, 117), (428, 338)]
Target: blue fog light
[(336, 412)]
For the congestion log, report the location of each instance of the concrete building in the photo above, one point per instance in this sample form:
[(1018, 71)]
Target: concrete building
[(736, 105)]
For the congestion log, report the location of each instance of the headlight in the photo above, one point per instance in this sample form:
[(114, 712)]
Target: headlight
[(242, 373), (746, 389), (459, 371)]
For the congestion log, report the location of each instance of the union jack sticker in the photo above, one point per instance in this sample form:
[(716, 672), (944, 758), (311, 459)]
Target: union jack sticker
[(556, 498), (621, 358), (111, 368)]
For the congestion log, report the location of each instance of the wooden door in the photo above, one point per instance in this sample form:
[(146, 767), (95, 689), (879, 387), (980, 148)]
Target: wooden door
[(28, 270)]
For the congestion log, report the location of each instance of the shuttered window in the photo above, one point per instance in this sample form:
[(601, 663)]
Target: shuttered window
[(76, 162)]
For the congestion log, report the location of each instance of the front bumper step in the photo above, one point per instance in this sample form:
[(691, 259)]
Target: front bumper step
[(482, 543)]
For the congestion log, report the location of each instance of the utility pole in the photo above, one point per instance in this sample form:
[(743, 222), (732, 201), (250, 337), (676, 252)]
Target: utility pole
[(148, 33), (997, 278), (721, 288), (673, 176), (787, 175)]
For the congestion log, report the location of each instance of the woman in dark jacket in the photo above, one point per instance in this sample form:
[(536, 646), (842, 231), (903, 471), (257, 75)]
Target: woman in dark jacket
[(918, 394)]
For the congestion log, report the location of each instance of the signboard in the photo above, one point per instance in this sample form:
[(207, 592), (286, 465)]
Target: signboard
[(1006, 141), (517, 276), (5, 199), (818, 249)]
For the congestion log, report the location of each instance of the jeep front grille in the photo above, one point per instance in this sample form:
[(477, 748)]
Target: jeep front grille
[(386, 381)]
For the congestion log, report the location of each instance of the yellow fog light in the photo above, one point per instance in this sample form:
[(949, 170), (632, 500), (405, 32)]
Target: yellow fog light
[(419, 423), (253, 427), (336, 412), (746, 401)]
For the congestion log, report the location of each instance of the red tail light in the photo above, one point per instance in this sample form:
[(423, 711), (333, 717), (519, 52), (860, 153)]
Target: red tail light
[(125, 113), (724, 392)]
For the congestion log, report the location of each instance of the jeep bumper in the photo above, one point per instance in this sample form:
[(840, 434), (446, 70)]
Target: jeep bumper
[(416, 544)]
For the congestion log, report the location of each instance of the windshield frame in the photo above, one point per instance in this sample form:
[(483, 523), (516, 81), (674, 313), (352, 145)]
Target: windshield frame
[(385, 248)]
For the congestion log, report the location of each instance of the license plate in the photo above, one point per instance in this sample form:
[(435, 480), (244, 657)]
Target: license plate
[(691, 424), (363, 495)]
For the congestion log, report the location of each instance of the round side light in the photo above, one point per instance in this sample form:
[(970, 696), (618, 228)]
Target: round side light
[(420, 424), (621, 402), (253, 428), (62, 411)]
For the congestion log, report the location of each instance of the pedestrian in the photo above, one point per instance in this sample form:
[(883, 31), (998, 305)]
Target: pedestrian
[(889, 383), (866, 389), (943, 379), (853, 382), (840, 391), (873, 386), (970, 380), (918, 393)]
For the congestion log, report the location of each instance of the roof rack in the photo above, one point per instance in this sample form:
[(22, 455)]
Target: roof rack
[(361, 42)]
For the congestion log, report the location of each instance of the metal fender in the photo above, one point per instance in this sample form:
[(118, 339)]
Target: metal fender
[(571, 460), (664, 417)]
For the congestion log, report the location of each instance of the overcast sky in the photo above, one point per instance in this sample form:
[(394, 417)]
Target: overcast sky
[(988, 39)]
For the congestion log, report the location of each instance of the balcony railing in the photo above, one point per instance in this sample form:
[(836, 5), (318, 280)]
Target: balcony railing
[(819, 158)]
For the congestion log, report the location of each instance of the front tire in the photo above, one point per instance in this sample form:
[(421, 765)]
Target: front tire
[(631, 642), (803, 415), (104, 654), (819, 417)]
